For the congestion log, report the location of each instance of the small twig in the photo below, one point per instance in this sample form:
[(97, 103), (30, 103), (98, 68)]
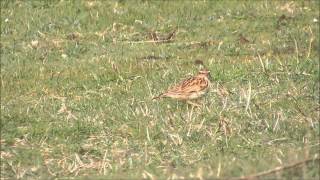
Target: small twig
[(151, 41), (219, 169), (274, 140), (148, 136), (262, 64), (248, 100), (310, 43), (103, 163), (187, 43), (220, 43), (297, 50), (190, 121), (299, 109), (277, 169)]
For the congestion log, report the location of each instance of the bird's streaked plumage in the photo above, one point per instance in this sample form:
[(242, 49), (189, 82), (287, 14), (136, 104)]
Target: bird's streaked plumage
[(189, 89)]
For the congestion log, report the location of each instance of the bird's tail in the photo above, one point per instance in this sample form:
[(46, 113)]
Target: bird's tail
[(157, 97)]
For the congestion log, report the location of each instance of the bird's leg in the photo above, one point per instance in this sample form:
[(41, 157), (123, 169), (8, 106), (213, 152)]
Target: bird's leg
[(193, 104)]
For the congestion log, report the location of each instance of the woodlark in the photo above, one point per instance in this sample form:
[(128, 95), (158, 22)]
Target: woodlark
[(189, 89)]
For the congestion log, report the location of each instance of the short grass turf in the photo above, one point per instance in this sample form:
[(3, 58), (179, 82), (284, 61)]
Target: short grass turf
[(77, 79)]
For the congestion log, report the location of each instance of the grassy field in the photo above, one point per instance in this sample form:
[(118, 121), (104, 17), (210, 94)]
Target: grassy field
[(77, 79)]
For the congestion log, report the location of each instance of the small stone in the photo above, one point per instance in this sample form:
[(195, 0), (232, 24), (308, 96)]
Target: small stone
[(64, 56)]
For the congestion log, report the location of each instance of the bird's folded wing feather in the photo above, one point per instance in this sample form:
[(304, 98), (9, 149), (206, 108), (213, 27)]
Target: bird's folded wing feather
[(192, 84)]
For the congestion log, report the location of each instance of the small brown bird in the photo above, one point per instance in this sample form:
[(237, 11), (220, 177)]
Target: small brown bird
[(189, 89)]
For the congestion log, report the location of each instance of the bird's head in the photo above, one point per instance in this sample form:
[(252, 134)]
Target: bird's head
[(205, 72)]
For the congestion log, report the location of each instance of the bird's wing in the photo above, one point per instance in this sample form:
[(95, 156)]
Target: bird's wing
[(192, 84)]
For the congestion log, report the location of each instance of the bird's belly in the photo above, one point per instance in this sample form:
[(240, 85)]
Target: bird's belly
[(196, 95), (186, 96)]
